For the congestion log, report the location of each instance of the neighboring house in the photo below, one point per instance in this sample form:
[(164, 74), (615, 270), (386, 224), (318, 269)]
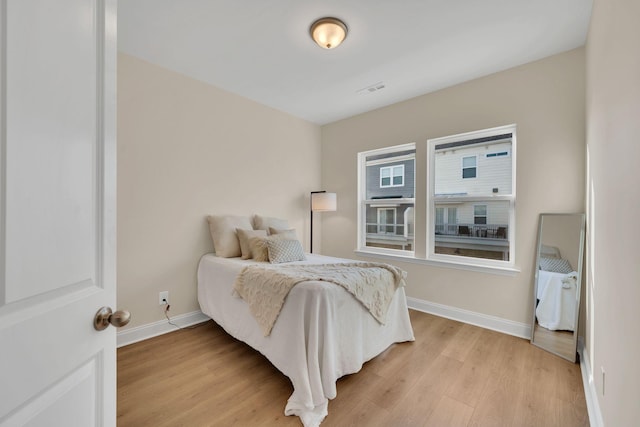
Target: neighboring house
[(390, 193), (472, 170)]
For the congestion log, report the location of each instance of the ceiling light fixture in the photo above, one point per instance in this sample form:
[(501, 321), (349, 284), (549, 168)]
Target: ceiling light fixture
[(328, 33)]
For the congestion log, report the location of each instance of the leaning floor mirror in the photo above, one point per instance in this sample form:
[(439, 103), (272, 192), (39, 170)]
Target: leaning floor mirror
[(557, 282)]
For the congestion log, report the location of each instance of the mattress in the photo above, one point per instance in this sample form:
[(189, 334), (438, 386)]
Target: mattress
[(321, 334)]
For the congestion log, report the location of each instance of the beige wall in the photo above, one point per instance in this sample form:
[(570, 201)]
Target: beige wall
[(613, 267), (185, 150), (546, 101), (563, 232)]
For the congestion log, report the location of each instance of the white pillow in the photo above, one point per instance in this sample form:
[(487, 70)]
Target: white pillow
[(244, 236), (264, 222), (288, 234), (284, 250), (549, 251), (223, 233)]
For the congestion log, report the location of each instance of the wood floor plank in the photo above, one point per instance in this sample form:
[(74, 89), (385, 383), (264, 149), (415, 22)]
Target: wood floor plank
[(460, 347), (449, 413), (361, 413), (469, 383), (496, 405), (453, 374)]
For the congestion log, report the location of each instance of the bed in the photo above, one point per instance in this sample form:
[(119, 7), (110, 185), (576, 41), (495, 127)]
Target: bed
[(557, 304), (321, 334), (556, 291)]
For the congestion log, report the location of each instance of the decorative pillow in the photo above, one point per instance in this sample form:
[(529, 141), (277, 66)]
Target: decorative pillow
[(287, 234), (244, 236), (284, 250), (556, 265), (549, 251), (223, 233), (264, 222), (258, 247)]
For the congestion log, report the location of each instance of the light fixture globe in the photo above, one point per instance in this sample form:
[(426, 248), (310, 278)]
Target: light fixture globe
[(328, 33)]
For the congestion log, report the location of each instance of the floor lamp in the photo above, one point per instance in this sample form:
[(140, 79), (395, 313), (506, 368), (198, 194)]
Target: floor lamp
[(320, 201)]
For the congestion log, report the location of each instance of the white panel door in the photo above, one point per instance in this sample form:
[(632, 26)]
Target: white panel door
[(57, 211)]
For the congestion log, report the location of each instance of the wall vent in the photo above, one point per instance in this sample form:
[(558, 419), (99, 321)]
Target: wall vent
[(371, 88)]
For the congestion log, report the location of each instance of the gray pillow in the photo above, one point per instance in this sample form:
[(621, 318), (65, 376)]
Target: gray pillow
[(556, 265), (284, 250), (259, 249)]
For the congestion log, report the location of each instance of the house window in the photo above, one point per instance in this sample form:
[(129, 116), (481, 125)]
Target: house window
[(392, 176), (480, 214), (446, 220), (386, 220), (469, 167), (485, 206), (386, 187), (500, 154)]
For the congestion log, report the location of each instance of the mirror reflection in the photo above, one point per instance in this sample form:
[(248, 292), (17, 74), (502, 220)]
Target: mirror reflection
[(557, 281)]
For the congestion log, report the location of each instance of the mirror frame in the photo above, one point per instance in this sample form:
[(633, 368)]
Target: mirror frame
[(582, 217)]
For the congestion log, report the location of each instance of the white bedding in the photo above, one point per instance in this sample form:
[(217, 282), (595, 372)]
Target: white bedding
[(557, 304), (322, 332)]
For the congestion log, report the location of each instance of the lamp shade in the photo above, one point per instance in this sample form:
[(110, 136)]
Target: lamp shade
[(328, 32), (323, 202)]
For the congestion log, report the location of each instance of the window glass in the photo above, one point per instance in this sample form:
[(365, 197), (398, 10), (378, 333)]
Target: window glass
[(392, 176), (472, 218), (385, 177), (469, 167), (398, 175), (480, 214), (386, 188)]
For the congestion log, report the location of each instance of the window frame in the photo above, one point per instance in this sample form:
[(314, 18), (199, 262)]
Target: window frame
[(474, 167), (422, 252), (362, 202), (495, 154), (392, 175), (475, 215), (385, 225), (432, 199)]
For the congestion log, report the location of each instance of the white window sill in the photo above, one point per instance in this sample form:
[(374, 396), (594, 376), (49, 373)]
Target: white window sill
[(499, 270)]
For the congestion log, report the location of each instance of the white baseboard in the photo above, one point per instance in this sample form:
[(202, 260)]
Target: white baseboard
[(590, 392), (521, 330), (150, 330)]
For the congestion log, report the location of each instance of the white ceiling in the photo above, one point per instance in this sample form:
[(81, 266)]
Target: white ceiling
[(261, 49)]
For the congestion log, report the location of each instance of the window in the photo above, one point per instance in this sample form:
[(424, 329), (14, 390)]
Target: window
[(480, 214), (469, 167), (386, 187), (500, 154), (392, 176), (386, 220), (446, 220), (484, 207)]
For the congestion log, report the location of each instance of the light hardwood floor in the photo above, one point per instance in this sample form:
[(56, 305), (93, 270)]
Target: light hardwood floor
[(454, 374), (560, 342)]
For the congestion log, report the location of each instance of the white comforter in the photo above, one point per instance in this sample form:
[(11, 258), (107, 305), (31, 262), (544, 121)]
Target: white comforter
[(322, 332), (557, 304)]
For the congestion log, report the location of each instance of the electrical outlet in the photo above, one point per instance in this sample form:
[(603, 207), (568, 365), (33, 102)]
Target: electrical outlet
[(163, 298)]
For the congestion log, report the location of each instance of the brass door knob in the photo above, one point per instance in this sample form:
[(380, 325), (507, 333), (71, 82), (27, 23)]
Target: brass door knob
[(105, 316)]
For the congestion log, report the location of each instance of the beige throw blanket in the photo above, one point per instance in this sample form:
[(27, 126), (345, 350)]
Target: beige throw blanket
[(265, 288)]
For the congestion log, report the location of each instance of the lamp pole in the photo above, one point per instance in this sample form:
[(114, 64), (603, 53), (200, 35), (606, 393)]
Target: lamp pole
[(311, 219)]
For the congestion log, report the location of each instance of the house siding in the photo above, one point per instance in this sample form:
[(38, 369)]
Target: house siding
[(373, 181), (491, 172)]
